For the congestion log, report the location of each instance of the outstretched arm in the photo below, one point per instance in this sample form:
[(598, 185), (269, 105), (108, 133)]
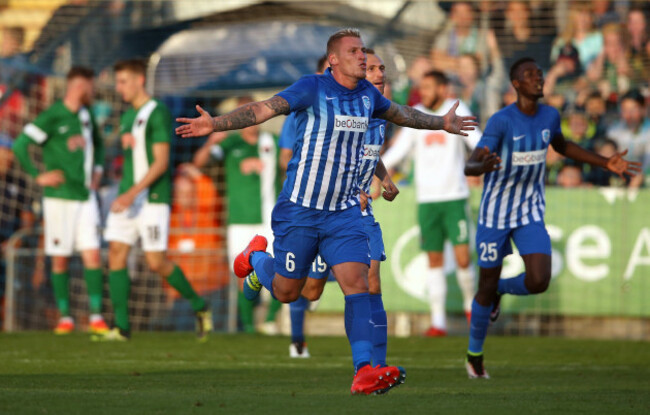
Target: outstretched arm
[(410, 117), (616, 164), (242, 117), (482, 161)]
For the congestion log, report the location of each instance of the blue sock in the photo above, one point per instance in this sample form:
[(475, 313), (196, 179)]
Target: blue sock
[(297, 311), (262, 262), (379, 330), (357, 328), (478, 327), (514, 286)]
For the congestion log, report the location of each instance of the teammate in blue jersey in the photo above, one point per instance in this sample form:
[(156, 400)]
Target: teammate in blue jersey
[(319, 270), (512, 155), (313, 212)]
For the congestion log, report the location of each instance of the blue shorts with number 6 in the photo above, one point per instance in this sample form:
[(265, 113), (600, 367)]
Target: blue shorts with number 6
[(492, 245), (302, 233)]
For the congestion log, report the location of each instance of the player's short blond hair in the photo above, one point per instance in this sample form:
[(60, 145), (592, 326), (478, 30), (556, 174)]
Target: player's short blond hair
[(336, 37), (137, 66)]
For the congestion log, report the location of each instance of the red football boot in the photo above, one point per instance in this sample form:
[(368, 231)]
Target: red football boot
[(435, 332), (242, 265), (366, 381)]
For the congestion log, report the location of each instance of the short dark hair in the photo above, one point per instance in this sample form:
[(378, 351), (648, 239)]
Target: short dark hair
[(594, 95), (320, 65), (438, 76), (370, 51), (137, 66), (80, 72), (515, 66), (336, 37), (634, 95)]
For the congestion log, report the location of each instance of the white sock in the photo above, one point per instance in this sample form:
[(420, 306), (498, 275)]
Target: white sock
[(437, 285), (467, 286), (96, 317)]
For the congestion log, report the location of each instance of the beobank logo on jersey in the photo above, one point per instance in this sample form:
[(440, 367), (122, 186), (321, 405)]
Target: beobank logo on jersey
[(348, 123), (371, 151), (528, 158)]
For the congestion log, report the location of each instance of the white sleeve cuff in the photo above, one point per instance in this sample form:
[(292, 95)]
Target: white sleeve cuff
[(39, 136)]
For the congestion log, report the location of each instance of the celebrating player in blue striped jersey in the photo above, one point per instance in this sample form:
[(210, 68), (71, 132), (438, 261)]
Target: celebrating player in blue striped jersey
[(512, 154), (370, 165), (313, 212)]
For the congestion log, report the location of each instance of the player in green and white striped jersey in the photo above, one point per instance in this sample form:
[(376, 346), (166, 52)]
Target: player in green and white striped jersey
[(73, 154), (142, 208)]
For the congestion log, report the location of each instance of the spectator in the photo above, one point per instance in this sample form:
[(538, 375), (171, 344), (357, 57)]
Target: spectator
[(602, 177), (11, 80), (564, 73), (460, 36), (416, 72), (193, 241), (632, 132), (610, 70), (554, 163), (577, 128), (478, 88), (596, 111), (580, 32), (570, 176), (604, 13), (637, 39), (16, 206), (519, 39)]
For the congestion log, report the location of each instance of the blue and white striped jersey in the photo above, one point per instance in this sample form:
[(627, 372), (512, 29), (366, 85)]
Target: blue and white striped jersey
[(370, 156), (288, 133), (331, 122), (514, 195)]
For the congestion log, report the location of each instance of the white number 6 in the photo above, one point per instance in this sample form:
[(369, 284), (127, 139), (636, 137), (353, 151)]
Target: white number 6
[(290, 264)]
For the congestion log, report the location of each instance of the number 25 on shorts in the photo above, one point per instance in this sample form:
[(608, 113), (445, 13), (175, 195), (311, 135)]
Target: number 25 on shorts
[(488, 252)]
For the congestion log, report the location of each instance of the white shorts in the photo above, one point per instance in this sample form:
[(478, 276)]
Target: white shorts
[(240, 235), (151, 224), (70, 225)]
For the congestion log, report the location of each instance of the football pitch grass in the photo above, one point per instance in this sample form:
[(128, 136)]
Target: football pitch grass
[(160, 373)]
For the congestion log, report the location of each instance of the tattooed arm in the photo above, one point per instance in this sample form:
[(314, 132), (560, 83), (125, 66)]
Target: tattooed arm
[(412, 118), (242, 117)]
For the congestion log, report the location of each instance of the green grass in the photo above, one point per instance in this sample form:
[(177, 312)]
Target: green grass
[(160, 373)]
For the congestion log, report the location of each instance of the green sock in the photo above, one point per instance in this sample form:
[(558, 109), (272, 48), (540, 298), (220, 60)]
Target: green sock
[(246, 313), (274, 306), (95, 286), (177, 280), (61, 292), (120, 287)]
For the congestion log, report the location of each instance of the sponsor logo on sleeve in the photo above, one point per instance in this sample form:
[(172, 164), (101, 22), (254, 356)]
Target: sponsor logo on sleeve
[(348, 123), (528, 158)]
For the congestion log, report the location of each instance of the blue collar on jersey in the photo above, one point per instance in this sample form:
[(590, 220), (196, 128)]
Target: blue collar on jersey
[(360, 85)]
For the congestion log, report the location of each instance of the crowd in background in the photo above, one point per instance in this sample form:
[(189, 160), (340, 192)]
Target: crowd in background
[(596, 69)]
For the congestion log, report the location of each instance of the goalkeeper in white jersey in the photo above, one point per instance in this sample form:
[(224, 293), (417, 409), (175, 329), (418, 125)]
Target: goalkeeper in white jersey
[(442, 193)]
